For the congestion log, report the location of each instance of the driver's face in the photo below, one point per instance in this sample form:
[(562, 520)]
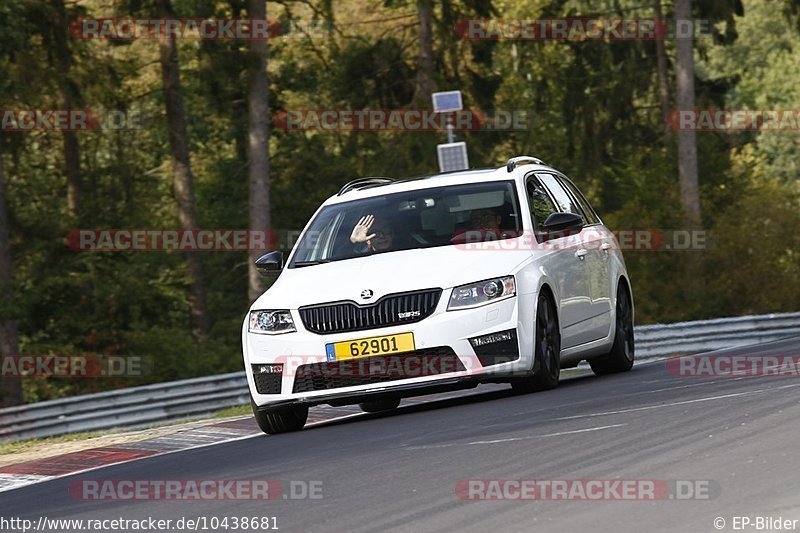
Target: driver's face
[(383, 237)]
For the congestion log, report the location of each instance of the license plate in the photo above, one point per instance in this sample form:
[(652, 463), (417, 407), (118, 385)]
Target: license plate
[(370, 346)]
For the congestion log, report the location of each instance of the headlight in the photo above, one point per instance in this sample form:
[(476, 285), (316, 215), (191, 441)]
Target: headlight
[(482, 292), (271, 322)]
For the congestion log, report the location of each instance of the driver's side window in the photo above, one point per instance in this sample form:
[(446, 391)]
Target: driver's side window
[(539, 201)]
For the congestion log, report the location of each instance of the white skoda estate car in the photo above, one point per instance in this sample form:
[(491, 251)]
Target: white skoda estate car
[(401, 288)]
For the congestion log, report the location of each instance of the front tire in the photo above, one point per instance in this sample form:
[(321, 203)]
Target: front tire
[(547, 350), (621, 356), (280, 421), (376, 406)]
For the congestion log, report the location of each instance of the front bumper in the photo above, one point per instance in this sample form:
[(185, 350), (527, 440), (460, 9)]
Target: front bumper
[(292, 352), (342, 397)]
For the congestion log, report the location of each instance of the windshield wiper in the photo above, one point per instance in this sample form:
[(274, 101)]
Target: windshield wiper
[(310, 263)]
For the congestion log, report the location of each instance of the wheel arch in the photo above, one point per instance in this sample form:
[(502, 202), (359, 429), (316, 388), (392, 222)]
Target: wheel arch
[(545, 288), (623, 281)]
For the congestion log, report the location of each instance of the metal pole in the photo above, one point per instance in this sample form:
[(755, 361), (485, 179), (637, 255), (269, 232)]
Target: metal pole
[(450, 136)]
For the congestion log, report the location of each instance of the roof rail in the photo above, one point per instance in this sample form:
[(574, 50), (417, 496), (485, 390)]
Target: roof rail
[(364, 183), (523, 159)]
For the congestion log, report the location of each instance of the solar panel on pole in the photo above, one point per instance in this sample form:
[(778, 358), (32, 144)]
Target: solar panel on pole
[(452, 156)]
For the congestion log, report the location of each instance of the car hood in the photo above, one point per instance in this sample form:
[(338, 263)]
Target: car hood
[(385, 273)]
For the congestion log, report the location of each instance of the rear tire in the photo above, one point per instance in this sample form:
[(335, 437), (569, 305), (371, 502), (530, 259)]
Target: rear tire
[(621, 356), (547, 350), (280, 421), (377, 406)]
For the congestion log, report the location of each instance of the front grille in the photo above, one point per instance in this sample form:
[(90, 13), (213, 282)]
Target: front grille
[(341, 317), (378, 369)]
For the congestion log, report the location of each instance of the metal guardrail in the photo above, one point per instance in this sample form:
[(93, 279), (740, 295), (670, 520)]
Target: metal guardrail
[(147, 405), (707, 335), (132, 408)]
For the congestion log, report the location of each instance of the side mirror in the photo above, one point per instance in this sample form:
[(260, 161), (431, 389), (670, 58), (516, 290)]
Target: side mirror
[(270, 264), (560, 225)]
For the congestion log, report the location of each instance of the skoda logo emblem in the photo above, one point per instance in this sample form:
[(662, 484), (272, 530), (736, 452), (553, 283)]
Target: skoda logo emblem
[(366, 294)]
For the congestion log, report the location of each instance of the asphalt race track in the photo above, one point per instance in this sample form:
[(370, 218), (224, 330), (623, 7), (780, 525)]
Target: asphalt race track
[(737, 435)]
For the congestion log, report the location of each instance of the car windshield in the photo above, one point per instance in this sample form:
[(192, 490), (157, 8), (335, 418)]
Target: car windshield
[(422, 218)]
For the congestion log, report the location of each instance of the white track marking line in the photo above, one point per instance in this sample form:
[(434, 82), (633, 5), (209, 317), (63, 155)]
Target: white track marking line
[(22, 480), (673, 404), (511, 439), (343, 417), (700, 384), (159, 454), (15, 481)]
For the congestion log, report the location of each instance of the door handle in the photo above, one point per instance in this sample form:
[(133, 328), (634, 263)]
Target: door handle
[(606, 246), (581, 253)]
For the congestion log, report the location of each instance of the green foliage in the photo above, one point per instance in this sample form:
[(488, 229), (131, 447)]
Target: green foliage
[(758, 250)]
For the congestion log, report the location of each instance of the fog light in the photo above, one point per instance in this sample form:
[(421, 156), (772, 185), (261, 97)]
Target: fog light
[(496, 348), (268, 378), (269, 369), (491, 338)]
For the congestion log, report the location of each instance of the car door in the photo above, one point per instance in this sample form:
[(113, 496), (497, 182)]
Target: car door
[(584, 250), (562, 264), (600, 242)]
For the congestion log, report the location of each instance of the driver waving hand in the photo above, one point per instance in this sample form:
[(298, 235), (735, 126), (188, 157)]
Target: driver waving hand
[(370, 235)]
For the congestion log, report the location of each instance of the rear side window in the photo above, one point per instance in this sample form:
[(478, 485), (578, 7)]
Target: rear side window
[(564, 200), (591, 215), (540, 204)]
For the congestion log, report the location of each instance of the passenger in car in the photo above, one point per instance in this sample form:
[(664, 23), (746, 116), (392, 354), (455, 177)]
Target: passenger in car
[(378, 241), (485, 220), (484, 225)]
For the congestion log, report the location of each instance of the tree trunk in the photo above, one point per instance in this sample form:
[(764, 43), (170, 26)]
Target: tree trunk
[(183, 180), (69, 97), (424, 83), (258, 145), (687, 158), (661, 66), (72, 160), (10, 386), (687, 141)]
